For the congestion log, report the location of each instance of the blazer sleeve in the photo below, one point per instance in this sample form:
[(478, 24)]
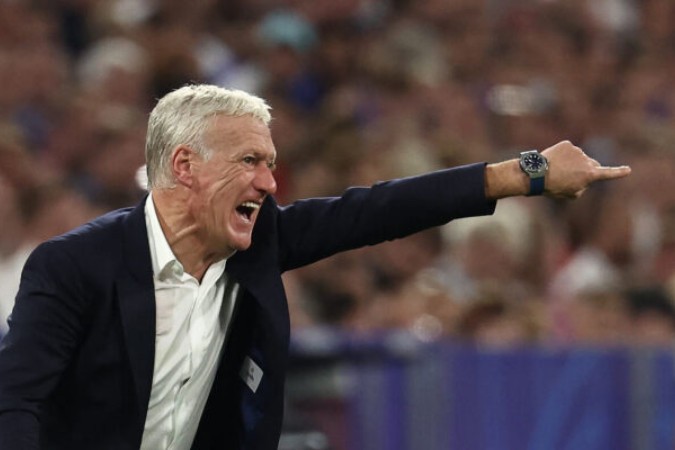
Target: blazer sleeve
[(45, 326), (313, 229)]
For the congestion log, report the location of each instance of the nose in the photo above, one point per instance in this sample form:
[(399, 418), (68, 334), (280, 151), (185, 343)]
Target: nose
[(264, 180)]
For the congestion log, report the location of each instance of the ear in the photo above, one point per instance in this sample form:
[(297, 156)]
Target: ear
[(181, 165)]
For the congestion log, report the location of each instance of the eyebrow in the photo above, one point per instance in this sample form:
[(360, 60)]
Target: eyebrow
[(261, 155)]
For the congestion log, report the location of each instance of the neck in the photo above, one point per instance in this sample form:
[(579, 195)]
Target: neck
[(184, 236)]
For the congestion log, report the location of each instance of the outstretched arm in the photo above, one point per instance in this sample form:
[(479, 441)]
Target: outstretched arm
[(312, 229), (316, 228), (570, 172)]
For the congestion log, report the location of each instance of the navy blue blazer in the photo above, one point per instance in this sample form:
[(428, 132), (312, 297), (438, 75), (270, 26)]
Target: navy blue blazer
[(76, 366)]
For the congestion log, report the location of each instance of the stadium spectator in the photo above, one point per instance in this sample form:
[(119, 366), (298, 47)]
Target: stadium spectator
[(392, 88)]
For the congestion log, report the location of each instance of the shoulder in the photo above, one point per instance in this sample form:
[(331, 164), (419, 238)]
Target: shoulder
[(93, 244), (103, 229)]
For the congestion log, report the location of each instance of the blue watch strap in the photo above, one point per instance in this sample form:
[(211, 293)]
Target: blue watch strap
[(537, 186)]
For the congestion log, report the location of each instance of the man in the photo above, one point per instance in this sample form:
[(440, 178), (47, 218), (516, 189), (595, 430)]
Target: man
[(166, 325)]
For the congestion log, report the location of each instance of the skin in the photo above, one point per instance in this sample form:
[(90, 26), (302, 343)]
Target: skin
[(570, 172), (200, 215)]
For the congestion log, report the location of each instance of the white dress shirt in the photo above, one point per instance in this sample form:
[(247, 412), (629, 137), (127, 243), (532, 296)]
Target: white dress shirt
[(192, 323)]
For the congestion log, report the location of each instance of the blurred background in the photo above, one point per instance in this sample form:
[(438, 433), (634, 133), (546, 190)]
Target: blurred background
[(550, 325)]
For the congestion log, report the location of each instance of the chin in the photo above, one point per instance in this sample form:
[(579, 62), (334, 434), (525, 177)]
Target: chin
[(239, 244), (243, 247)]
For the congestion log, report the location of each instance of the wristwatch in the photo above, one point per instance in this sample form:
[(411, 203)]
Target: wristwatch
[(535, 165)]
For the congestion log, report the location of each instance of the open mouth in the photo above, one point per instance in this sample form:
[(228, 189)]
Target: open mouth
[(247, 209)]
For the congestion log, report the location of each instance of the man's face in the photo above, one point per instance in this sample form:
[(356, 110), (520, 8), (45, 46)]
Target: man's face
[(229, 189)]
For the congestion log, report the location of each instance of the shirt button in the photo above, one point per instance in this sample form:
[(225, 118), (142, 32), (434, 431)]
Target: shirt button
[(176, 270)]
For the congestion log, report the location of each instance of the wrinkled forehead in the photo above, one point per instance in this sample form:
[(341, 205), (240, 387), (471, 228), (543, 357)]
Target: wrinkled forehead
[(238, 133)]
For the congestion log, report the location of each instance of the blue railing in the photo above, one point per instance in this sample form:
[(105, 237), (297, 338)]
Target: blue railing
[(405, 395)]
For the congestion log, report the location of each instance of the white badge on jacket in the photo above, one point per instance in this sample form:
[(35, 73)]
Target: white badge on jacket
[(251, 373)]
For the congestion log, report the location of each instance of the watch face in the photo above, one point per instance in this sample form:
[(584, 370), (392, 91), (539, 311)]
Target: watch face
[(533, 163)]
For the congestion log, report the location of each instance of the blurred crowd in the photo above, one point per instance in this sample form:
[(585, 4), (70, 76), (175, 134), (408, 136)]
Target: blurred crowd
[(365, 90)]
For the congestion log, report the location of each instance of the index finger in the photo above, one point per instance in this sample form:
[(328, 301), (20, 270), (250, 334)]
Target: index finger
[(612, 172)]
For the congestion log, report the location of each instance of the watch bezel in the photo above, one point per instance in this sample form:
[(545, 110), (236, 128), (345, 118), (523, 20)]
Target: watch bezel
[(526, 165)]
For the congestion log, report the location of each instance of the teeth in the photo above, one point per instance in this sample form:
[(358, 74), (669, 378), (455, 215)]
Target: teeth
[(252, 205)]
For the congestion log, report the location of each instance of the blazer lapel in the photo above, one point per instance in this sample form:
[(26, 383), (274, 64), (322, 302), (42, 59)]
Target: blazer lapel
[(261, 280), (259, 330), (267, 320), (136, 296)]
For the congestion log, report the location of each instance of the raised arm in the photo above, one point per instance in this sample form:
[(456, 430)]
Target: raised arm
[(316, 228), (313, 229)]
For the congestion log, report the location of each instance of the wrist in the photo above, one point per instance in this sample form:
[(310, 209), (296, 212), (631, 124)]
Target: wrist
[(505, 179), (535, 166)]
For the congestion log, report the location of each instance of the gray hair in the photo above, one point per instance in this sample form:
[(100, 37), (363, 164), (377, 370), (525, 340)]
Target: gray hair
[(182, 116)]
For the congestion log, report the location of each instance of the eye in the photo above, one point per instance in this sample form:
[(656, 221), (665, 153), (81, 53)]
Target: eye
[(272, 165), (249, 160)]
